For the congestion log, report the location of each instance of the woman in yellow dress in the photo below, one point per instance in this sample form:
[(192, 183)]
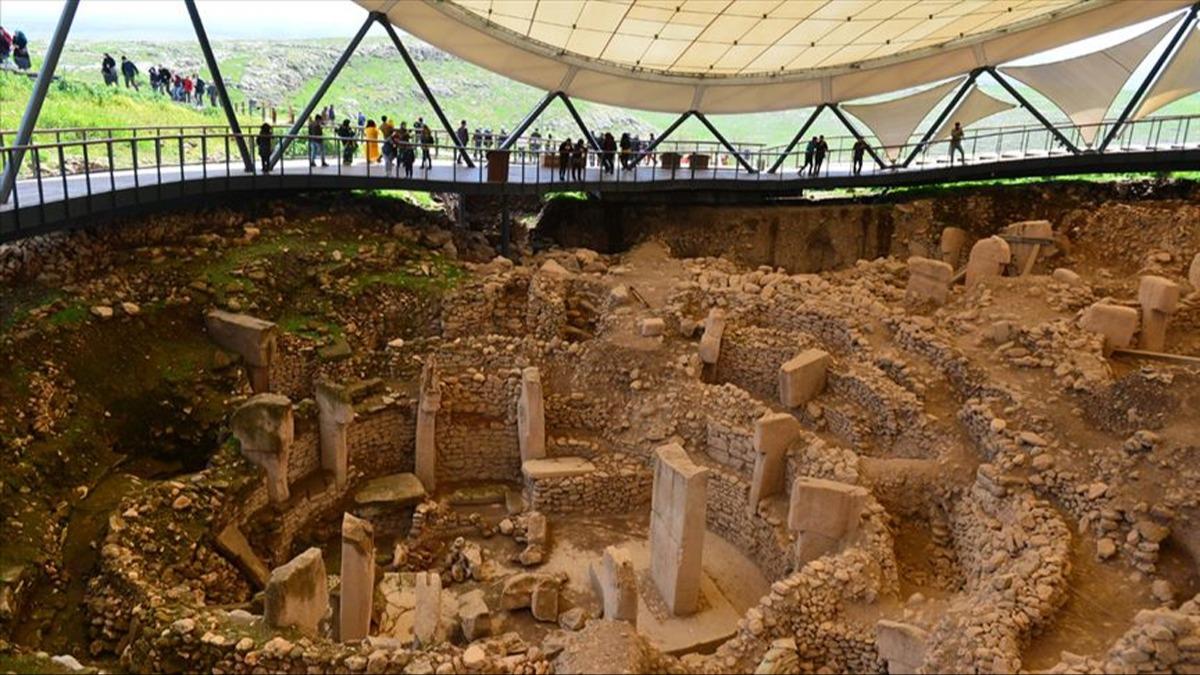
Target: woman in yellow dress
[(371, 134)]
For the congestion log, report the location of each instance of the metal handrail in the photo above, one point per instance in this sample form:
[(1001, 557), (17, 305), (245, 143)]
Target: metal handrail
[(174, 158)]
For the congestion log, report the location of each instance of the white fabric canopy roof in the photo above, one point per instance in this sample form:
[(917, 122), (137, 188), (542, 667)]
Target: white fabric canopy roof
[(1180, 78), (1084, 87), (893, 122), (976, 106), (730, 56)]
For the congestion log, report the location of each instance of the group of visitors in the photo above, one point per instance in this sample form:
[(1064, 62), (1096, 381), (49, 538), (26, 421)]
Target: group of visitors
[(629, 147), (129, 71), (573, 158), (814, 156), (14, 50), (181, 88)]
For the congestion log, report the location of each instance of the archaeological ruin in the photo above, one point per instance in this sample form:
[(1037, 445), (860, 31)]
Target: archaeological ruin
[(948, 432)]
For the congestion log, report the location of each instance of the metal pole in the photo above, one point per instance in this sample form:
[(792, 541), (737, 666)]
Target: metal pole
[(412, 68), (34, 107), (320, 93), (857, 136), (713, 130), (505, 227), (1151, 77), (219, 82), (1012, 91), (941, 118), (674, 125), (579, 121), (796, 139), (529, 120)]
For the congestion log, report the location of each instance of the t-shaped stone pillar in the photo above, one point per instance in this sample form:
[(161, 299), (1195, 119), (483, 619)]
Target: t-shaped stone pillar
[(988, 258), (615, 582), (358, 578), (952, 243), (1159, 298), (929, 279), (710, 342), (902, 645), (251, 338), (1116, 323), (428, 404), (822, 513), (531, 416), (297, 595), (335, 412), (265, 429), (803, 377), (428, 616), (773, 434), (677, 523)]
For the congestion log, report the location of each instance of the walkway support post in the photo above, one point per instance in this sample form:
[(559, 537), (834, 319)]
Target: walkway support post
[(941, 118), (1012, 91), (34, 107), (412, 68), (713, 130), (1151, 77), (302, 118), (857, 136), (796, 139), (219, 82)]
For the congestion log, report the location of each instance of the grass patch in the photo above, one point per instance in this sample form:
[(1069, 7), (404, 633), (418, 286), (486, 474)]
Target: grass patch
[(73, 315), (422, 200), (566, 196), (309, 327), (443, 275)]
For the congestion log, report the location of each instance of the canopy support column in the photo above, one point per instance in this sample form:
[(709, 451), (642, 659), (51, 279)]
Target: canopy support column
[(853, 130), (416, 73), (34, 107), (579, 121), (529, 120), (1012, 91), (941, 118), (713, 130), (1151, 76), (219, 83), (674, 125), (320, 93), (796, 139)]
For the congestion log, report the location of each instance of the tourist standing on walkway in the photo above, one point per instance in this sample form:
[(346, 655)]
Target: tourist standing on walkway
[(349, 145), (463, 135), (371, 138), (860, 149), (20, 50), (108, 68), (608, 149), (386, 128), (819, 156), (809, 149), (265, 141), (391, 151), (578, 160), (477, 141), (564, 159), (6, 43), (130, 72), (316, 144), (535, 145), (956, 139), (426, 147), (408, 154)]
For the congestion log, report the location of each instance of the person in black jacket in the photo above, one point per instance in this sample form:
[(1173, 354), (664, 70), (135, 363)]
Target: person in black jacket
[(265, 140), (130, 72), (108, 68), (608, 149)]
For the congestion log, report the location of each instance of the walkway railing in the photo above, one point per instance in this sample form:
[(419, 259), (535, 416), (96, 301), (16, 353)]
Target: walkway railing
[(81, 177)]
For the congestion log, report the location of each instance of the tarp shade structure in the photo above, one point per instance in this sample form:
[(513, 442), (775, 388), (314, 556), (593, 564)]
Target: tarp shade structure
[(1180, 78), (726, 56), (976, 106), (893, 122), (1084, 87)]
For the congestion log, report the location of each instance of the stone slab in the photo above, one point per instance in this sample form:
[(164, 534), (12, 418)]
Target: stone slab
[(399, 489), (556, 467), (802, 378)]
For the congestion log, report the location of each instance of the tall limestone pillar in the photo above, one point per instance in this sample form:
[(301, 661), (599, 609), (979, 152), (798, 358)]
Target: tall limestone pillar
[(428, 403), (677, 523), (358, 578), (531, 416), (773, 434), (334, 415), (265, 428)]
